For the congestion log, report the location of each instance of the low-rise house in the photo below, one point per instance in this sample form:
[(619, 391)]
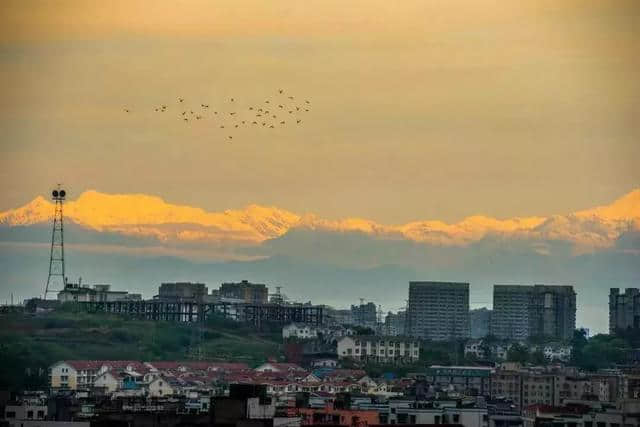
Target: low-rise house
[(480, 349), (379, 348), (299, 331), (324, 363), (81, 374), (162, 387), (17, 413), (557, 352)]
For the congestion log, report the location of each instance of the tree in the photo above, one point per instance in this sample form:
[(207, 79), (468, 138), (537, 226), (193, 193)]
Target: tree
[(538, 358), (518, 353)]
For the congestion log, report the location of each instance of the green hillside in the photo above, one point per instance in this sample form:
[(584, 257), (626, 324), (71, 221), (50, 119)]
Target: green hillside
[(29, 344)]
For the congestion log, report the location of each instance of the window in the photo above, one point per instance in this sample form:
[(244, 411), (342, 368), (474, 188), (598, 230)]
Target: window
[(456, 418), (40, 414), (437, 419), (10, 414), (29, 414)]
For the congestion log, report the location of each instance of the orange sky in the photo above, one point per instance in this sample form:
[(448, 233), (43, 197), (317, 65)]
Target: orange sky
[(421, 109)]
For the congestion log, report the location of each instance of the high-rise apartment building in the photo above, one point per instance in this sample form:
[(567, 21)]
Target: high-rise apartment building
[(394, 323), (624, 309), (250, 293), (438, 311), (365, 315), (520, 312), (480, 320)]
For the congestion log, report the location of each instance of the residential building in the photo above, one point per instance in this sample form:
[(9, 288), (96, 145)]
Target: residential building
[(378, 348), (394, 324), (578, 414), (303, 332), (624, 309), (338, 415), (483, 350), (480, 321), (249, 293), (82, 374), (468, 380), (365, 315), (339, 316), (183, 291), (438, 311), (25, 411), (436, 413), (521, 312)]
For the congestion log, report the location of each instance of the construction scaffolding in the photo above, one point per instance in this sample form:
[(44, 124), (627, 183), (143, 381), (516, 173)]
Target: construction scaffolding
[(256, 314)]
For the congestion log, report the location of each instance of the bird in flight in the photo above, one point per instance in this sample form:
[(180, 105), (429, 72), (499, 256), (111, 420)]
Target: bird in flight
[(298, 121), (180, 99), (126, 110), (291, 97), (282, 122), (280, 91), (232, 99)]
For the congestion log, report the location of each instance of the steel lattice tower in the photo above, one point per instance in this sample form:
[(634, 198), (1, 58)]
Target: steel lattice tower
[(56, 279)]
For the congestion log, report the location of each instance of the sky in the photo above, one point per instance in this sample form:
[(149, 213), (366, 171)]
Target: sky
[(420, 109)]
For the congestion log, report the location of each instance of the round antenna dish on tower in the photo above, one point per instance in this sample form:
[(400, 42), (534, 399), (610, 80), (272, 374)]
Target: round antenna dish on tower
[(63, 193), (54, 193)]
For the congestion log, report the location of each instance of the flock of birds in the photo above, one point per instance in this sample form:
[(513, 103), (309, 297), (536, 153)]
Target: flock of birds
[(281, 110)]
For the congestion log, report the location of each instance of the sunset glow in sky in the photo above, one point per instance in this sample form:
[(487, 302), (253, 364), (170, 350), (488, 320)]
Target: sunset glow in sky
[(421, 109)]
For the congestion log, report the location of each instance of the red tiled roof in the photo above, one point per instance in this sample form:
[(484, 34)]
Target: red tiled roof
[(284, 366), (347, 373), (201, 366)]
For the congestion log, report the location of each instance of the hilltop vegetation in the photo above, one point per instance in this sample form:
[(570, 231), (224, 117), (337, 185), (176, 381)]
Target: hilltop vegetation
[(30, 344)]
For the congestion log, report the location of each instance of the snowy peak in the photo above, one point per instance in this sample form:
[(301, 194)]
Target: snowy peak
[(36, 211), (145, 215)]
